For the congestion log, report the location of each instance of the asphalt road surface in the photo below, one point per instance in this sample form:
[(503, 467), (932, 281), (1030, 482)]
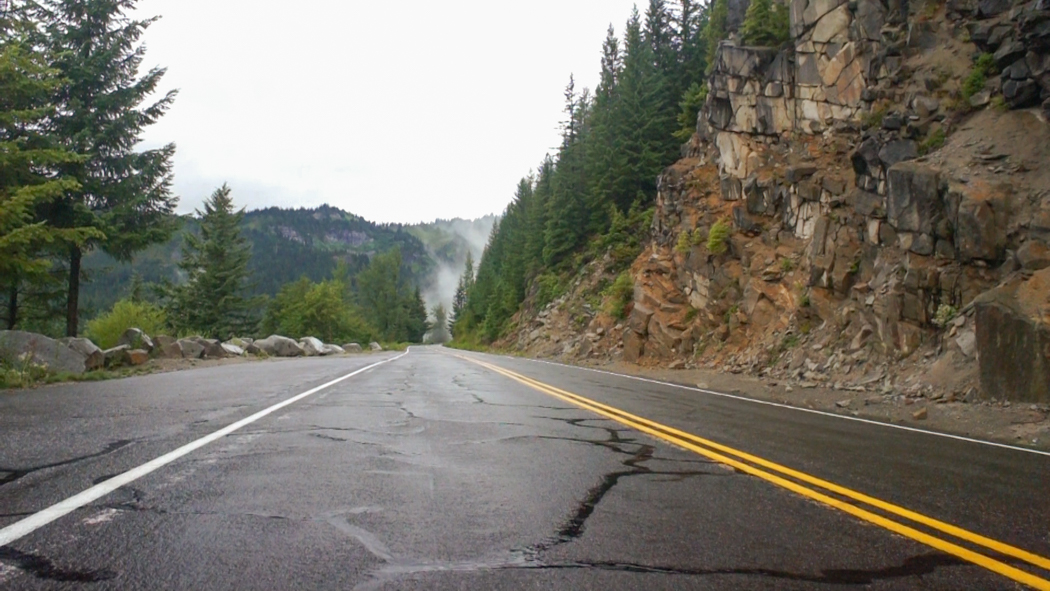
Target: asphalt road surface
[(439, 469)]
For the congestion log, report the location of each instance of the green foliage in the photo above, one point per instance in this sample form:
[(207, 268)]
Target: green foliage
[(999, 103), (716, 30), (945, 314), (105, 330), (765, 24), (213, 302), (787, 265), (619, 295), (685, 242), (933, 141), (693, 100), (716, 238), (320, 310), (873, 118), (549, 287), (124, 193), (439, 332), (975, 81)]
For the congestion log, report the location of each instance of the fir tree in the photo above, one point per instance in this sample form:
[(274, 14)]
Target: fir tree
[(416, 322), (439, 332), (212, 301), (29, 158), (459, 300), (124, 193), (765, 24), (716, 30)]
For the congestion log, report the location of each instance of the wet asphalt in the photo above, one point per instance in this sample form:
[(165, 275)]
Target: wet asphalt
[(431, 472)]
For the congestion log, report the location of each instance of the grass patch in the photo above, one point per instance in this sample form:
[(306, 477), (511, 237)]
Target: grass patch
[(975, 82), (933, 141)]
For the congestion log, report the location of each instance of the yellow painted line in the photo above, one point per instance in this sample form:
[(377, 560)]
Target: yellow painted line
[(688, 441)]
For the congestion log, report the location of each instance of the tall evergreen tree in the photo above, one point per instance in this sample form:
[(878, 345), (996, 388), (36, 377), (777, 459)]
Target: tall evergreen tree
[(439, 332), (568, 218), (123, 192), (29, 158), (417, 323), (212, 301), (716, 31), (459, 300), (765, 24)]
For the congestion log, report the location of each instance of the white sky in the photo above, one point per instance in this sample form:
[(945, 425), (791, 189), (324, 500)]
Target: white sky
[(395, 111)]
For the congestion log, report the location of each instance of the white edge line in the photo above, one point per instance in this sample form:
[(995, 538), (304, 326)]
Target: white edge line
[(787, 406), (24, 527)]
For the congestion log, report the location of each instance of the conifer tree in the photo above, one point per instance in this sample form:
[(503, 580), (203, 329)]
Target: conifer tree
[(459, 300), (212, 301), (417, 323), (568, 216), (716, 30), (765, 24), (439, 331), (123, 192), (29, 159)]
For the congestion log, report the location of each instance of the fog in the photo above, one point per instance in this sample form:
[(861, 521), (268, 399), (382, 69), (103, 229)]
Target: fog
[(457, 237)]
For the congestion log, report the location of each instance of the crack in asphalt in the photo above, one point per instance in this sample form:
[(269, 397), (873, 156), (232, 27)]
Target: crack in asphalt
[(15, 474)]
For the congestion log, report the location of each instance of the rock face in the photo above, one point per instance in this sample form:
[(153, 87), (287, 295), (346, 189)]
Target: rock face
[(312, 347), (352, 348), (17, 347), (276, 345), (1013, 339)]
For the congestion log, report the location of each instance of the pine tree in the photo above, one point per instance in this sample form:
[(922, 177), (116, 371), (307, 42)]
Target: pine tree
[(765, 24), (439, 332), (459, 300), (568, 216), (123, 192), (417, 323), (213, 301), (29, 158), (716, 30)]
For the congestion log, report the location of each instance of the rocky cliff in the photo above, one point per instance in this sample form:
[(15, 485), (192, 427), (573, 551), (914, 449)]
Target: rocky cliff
[(888, 200)]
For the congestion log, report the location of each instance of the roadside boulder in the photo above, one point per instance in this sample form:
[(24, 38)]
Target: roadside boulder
[(212, 348), (1013, 339), (253, 349), (136, 339), (135, 357), (311, 346), (115, 355), (278, 346), (232, 350), (352, 348), (332, 350), (93, 356), (374, 346), (239, 342), (190, 349), (17, 346)]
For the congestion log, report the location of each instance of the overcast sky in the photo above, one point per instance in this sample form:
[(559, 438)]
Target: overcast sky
[(396, 111)]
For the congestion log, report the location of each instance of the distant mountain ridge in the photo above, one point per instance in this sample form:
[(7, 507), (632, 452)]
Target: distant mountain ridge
[(291, 243)]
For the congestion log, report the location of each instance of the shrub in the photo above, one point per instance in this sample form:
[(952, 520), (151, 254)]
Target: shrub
[(765, 24), (933, 141), (319, 310), (548, 289), (619, 295), (945, 314), (716, 238), (685, 242), (105, 330), (787, 265), (974, 83)]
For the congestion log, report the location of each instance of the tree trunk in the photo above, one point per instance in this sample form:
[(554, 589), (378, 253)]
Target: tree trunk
[(12, 306), (73, 299)]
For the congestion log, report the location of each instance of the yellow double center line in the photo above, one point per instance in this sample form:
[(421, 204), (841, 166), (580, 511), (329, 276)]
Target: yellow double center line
[(721, 454)]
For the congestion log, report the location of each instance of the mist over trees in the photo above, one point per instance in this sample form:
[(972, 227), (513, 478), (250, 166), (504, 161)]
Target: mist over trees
[(594, 197)]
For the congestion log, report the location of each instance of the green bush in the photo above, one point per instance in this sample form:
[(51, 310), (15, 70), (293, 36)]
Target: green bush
[(105, 330), (319, 310), (685, 242), (716, 238), (548, 288), (765, 24), (933, 141), (945, 314), (974, 83), (619, 295)]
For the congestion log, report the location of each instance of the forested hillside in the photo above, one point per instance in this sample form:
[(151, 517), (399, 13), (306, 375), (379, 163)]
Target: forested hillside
[(594, 197)]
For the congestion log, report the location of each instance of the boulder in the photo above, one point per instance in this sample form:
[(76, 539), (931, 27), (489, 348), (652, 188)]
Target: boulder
[(253, 349), (1013, 339), (212, 348), (94, 358), (279, 346), (332, 350), (232, 350), (898, 151), (352, 348), (17, 346), (1033, 255), (980, 227), (170, 350), (134, 338), (311, 346), (239, 342), (115, 356), (374, 346), (190, 349), (162, 339), (913, 199), (135, 357)]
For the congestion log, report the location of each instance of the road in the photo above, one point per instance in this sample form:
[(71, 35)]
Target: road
[(439, 469)]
